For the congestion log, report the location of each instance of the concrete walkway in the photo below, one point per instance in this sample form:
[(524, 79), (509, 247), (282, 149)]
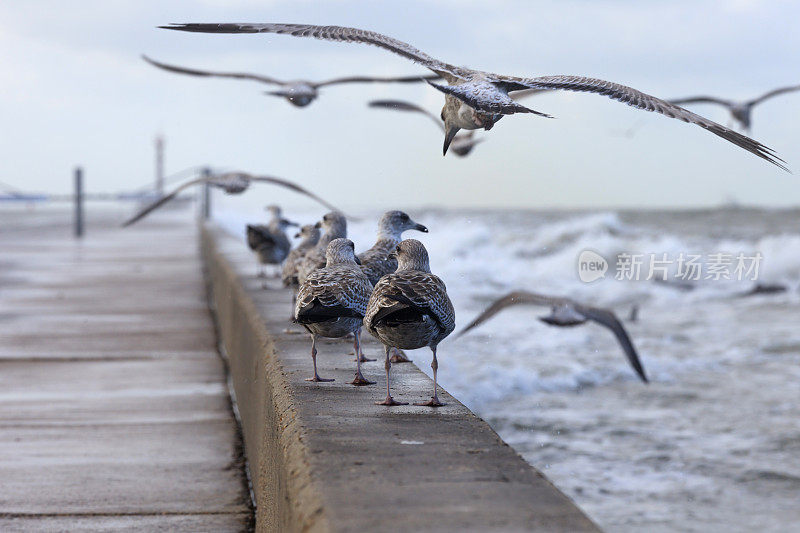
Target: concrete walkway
[(114, 411)]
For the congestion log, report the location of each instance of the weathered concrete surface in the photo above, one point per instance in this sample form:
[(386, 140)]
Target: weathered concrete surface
[(114, 409), (325, 458)]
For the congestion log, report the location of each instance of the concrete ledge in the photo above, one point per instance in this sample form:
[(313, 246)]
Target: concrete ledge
[(323, 457)]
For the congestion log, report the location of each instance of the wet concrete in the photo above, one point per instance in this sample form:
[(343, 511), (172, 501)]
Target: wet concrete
[(324, 457), (114, 409)]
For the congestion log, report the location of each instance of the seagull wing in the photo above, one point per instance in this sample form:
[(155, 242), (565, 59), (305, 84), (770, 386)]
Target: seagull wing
[(297, 188), (524, 93), (376, 79), (701, 100), (775, 92), (608, 319), (161, 201), (510, 299), (334, 33), (640, 100), (209, 73), (401, 105)]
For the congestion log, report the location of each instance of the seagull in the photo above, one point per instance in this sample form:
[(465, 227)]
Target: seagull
[(476, 99), (740, 110), (410, 309), (462, 144), (310, 236), (565, 312), (269, 241), (379, 260), (231, 183), (332, 302), (334, 225), (298, 92)]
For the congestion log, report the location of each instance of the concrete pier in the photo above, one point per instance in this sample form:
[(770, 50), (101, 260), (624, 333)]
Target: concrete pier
[(323, 457), (114, 409)]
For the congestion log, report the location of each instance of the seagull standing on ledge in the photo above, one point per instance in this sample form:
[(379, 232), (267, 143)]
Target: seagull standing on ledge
[(476, 99), (410, 309), (380, 260), (565, 312), (310, 237), (298, 92), (231, 183), (269, 241), (334, 226), (740, 110), (332, 302)]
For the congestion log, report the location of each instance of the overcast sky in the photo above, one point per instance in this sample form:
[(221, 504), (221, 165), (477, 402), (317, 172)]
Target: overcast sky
[(74, 91)]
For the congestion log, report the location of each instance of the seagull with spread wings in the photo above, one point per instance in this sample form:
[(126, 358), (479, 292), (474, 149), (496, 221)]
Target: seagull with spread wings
[(476, 99), (298, 92), (740, 110), (231, 183), (564, 313)]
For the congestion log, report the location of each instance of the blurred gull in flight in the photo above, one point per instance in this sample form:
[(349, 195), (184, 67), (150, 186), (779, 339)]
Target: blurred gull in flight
[(740, 110), (462, 144), (564, 313), (298, 92), (231, 183)]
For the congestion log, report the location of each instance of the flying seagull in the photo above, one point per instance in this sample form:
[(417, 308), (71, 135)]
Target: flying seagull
[(740, 110), (462, 144), (231, 183), (298, 92), (565, 312), (475, 99)]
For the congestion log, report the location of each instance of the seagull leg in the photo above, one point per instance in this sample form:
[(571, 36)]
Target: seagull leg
[(399, 356), (361, 357), (314, 358), (434, 401), (389, 400), (359, 379)]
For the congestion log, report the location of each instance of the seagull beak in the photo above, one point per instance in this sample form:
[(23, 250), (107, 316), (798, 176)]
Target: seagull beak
[(392, 256), (297, 235), (358, 261), (420, 227), (449, 136), (318, 225)]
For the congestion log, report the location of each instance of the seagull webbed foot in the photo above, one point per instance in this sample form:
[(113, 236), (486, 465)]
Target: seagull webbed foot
[(399, 356), (318, 379), (433, 402), (390, 401), (360, 380)]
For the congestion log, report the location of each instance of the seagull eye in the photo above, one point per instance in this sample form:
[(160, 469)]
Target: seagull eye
[(404, 217)]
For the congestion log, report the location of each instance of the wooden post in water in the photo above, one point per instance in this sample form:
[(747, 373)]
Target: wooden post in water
[(206, 202), (78, 198)]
